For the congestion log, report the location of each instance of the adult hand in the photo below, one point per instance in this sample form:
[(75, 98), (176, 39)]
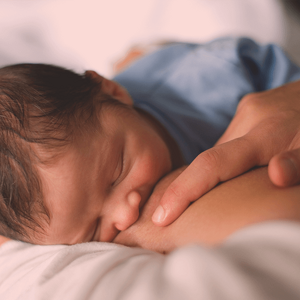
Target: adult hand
[(265, 130)]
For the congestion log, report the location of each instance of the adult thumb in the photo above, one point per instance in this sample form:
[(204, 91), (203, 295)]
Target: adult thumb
[(284, 168)]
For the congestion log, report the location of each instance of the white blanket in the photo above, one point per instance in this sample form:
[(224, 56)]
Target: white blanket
[(261, 262)]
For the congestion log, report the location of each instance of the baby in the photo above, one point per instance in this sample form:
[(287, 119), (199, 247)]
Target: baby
[(77, 160)]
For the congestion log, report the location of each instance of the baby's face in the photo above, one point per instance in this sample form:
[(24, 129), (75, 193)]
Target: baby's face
[(98, 187)]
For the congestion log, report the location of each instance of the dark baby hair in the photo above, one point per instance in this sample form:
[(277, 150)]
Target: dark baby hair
[(40, 106)]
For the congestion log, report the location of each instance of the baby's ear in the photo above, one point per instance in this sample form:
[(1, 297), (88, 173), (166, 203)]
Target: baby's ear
[(94, 75), (111, 88)]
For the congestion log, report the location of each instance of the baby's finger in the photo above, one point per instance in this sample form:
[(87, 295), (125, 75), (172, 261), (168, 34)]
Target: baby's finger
[(284, 168), (215, 165)]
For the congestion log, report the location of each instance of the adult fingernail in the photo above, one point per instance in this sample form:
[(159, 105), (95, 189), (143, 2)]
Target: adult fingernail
[(158, 215), (289, 170)]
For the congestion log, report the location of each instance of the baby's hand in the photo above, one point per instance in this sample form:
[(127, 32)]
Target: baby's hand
[(265, 130)]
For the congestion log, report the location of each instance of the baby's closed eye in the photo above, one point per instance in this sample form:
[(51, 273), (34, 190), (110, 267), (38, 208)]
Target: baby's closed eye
[(119, 169)]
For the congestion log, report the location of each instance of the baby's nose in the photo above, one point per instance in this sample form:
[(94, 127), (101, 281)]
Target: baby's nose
[(130, 211), (134, 199)]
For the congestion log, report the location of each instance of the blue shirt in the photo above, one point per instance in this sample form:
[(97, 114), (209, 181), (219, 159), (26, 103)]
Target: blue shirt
[(194, 89)]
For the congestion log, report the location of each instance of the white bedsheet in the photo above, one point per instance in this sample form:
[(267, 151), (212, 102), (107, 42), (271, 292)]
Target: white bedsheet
[(261, 262)]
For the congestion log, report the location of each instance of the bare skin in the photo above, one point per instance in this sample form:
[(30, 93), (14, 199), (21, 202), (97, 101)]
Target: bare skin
[(248, 199), (245, 200)]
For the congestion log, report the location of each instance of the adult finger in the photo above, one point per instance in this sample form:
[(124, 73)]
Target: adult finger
[(215, 165), (248, 115), (284, 168)]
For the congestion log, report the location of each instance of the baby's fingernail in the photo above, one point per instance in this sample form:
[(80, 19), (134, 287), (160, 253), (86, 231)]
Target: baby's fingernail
[(158, 215)]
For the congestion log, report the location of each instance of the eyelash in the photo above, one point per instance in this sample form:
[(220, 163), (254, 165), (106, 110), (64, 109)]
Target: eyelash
[(122, 168)]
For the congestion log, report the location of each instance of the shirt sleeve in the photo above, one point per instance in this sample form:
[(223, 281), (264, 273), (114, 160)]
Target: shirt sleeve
[(194, 89)]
